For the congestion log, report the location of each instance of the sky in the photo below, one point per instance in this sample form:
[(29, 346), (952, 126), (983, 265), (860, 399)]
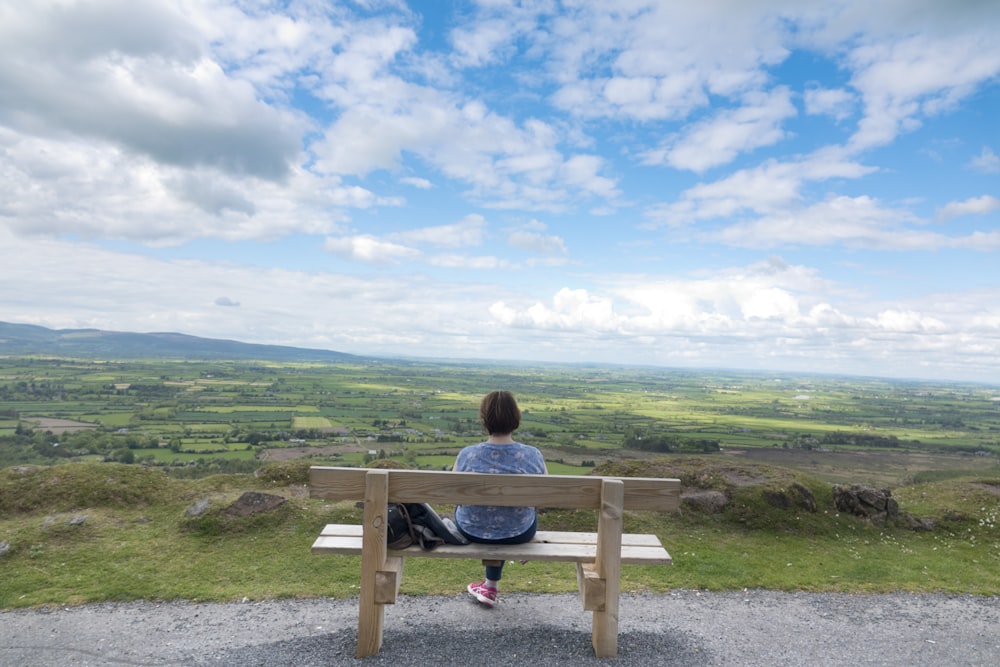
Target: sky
[(772, 185)]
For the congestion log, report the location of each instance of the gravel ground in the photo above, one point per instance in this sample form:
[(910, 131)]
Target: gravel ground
[(680, 628)]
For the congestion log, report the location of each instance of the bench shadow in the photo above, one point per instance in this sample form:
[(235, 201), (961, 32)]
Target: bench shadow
[(443, 646)]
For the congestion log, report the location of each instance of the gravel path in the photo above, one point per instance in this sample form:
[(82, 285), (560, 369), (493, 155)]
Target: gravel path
[(680, 628)]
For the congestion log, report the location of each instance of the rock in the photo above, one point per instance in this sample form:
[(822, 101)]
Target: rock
[(805, 497), (4, 548), (876, 505), (918, 525), (254, 502), (795, 495), (708, 502), (199, 508), (78, 520), (777, 499)]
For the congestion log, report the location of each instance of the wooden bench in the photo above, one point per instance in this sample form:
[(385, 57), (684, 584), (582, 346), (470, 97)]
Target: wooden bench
[(598, 556)]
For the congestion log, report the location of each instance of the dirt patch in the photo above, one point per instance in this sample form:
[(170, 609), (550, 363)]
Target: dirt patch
[(59, 426), (989, 488)]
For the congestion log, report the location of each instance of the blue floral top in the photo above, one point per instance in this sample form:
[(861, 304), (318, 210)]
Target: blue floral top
[(491, 522)]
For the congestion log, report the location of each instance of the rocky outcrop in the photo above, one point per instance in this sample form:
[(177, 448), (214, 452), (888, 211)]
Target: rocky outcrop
[(254, 502), (875, 505)]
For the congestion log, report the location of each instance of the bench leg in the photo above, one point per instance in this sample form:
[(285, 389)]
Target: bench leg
[(371, 613), (607, 567)]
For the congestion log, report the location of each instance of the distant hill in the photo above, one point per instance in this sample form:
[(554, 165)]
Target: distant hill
[(28, 339)]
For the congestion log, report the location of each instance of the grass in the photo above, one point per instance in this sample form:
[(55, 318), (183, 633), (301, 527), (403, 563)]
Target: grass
[(136, 540)]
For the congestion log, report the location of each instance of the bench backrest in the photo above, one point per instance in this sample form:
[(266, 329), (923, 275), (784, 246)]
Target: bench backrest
[(467, 488)]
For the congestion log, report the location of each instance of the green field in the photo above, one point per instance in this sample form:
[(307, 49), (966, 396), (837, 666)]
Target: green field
[(197, 413)]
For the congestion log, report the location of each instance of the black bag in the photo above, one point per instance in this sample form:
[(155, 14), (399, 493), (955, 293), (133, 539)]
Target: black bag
[(399, 530), (418, 523)]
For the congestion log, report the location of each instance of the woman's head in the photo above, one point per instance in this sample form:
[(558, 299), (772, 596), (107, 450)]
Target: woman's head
[(499, 413)]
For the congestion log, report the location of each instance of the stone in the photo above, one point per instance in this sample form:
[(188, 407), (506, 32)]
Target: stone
[(777, 499), (876, 505), (708, 502), (255, 502), (4, 548), (199, 508), (918, 525), (805, 497)]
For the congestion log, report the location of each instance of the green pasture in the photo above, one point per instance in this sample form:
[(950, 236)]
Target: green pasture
[(571, 412), (215, 428), (110, 419), (310, 422), (166, 456)]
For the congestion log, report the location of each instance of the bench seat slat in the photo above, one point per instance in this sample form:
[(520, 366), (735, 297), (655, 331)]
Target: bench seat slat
[(544, 536), (580, 551)]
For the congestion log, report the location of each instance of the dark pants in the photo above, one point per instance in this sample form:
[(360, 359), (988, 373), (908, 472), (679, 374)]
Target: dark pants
[(494, 568)]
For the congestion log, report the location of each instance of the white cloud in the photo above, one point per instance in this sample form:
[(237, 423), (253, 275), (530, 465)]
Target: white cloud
[(543, 244), (901, 81), (663, 60), (973, 206), (370, 249), (469, 262), (95, 191), (570, 309), (504, 164), (835, 102), (855, 221), (141, 78), (491, 36), (769, 188), (987, 161), (419, 183), (774, 311), (720, 139), (468, 232), (900, 321)]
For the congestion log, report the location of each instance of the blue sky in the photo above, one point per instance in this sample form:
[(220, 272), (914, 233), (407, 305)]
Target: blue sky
[(763, 184)]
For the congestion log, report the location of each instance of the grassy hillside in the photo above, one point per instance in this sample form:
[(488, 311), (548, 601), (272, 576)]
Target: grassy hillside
[(87, 532)]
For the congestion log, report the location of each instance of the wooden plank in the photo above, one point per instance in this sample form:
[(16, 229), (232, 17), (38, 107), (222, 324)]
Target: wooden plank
[(387, 580), (607, 566), (628, 539), (593, 589), (566, 553), (347, 545), (543, 536), (371, 615), (443, 487)]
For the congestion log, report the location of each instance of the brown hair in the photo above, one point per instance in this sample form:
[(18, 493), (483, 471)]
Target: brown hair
[(499, 413)]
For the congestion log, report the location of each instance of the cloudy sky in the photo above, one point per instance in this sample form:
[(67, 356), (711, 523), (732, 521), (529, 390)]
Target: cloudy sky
[(755, 184)]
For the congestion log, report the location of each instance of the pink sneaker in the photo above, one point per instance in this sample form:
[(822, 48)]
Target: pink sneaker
[(486, 595)]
